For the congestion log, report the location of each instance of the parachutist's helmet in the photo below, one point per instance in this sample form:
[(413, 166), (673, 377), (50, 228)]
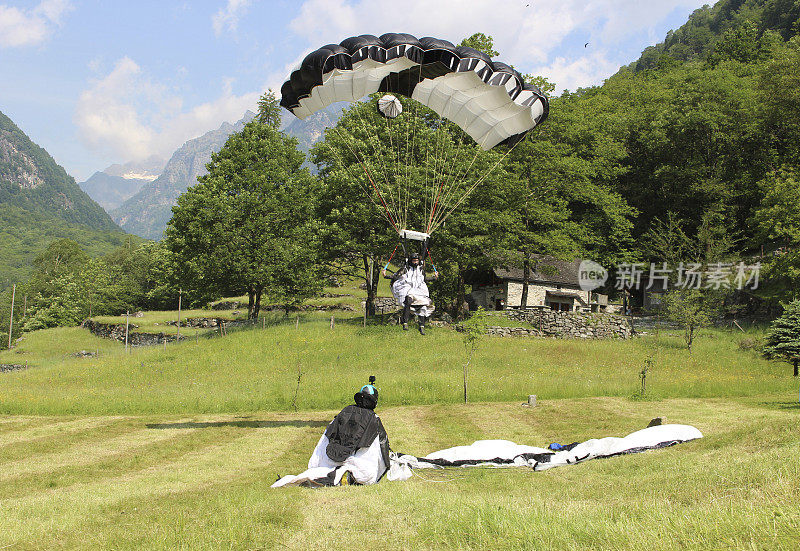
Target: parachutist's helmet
[(367, 397), (413, 256)]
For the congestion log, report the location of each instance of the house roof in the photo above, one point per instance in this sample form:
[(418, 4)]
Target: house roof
[(566, 294), (544, 269)]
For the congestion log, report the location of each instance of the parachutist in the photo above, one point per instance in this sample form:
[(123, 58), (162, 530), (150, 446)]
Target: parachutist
[(411, 291), (354, 448)]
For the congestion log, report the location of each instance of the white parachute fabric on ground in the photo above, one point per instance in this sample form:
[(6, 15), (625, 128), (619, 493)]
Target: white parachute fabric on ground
[(366, 466), (651, 438), (486, 451), (502, 453)]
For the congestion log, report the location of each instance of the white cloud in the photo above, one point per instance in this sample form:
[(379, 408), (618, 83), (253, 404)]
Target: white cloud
[(53, 9), (129, 115), (572, 74), (228, 17), (525, 32), (31, 27)]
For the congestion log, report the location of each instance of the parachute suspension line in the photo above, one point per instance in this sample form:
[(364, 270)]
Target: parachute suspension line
[(449, 184), (441, 178), (452, 192), (433, 209), (395, 160), (410, 126), (409, 156), (457, 178), (435, 271), (406, 120), (382, 199), (369, 136), (387, 212), (476, 184), (453, 188), (435, 184), (391, 256), (347, 167), (425, 171), (348, 170), (414, 156)]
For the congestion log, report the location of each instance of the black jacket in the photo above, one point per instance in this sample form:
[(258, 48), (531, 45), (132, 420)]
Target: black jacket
[(354, 428)]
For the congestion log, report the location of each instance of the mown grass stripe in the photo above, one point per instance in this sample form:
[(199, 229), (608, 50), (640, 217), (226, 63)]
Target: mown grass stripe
[(19, 451), (87, 453), (56, 428), (215, 430), (195, 470), (243, 513)]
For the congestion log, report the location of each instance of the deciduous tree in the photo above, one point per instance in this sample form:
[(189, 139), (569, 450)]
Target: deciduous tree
[(248, 226)]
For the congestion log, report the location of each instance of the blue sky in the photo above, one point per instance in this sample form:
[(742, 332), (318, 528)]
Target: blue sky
[(97, 83)]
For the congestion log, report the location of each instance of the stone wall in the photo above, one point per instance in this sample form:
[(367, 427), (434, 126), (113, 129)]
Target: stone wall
[(117, 333), (384, 305), (576, 325), (498, 331), (11, 367)]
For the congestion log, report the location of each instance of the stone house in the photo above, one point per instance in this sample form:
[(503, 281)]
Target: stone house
[(552, 284)]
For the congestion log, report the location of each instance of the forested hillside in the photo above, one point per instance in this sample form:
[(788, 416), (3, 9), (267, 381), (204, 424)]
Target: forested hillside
[(30, 179), (24, 234), (697, 39), (701, 135), (40, 202)]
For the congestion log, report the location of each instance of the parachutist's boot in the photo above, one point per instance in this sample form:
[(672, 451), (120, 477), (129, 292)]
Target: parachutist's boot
[(422, 325), (406, 313)]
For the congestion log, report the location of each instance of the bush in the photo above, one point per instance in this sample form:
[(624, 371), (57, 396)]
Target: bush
[(751, 343)]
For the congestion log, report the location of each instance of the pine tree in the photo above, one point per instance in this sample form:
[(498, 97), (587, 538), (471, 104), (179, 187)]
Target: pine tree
[(783, 340)]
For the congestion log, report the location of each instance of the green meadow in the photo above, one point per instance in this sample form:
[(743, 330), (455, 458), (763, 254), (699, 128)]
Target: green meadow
[(257, 369), (177, 448)]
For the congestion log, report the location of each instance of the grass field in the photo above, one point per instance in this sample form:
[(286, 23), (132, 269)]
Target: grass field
[(176, 449), (257, 370), (202, 481)]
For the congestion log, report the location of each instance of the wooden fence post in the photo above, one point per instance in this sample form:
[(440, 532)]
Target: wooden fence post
[(11, 323), (180, 296), (127, 323)]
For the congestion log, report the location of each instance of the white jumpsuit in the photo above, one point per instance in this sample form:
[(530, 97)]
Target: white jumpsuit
[(412, 283)]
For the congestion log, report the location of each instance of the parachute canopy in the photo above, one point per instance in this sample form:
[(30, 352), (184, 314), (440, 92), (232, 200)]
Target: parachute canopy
[(389, 106), (487, 99)]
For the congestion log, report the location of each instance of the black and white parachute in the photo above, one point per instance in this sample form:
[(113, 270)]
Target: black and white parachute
[(487, 99), (367, 466)]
